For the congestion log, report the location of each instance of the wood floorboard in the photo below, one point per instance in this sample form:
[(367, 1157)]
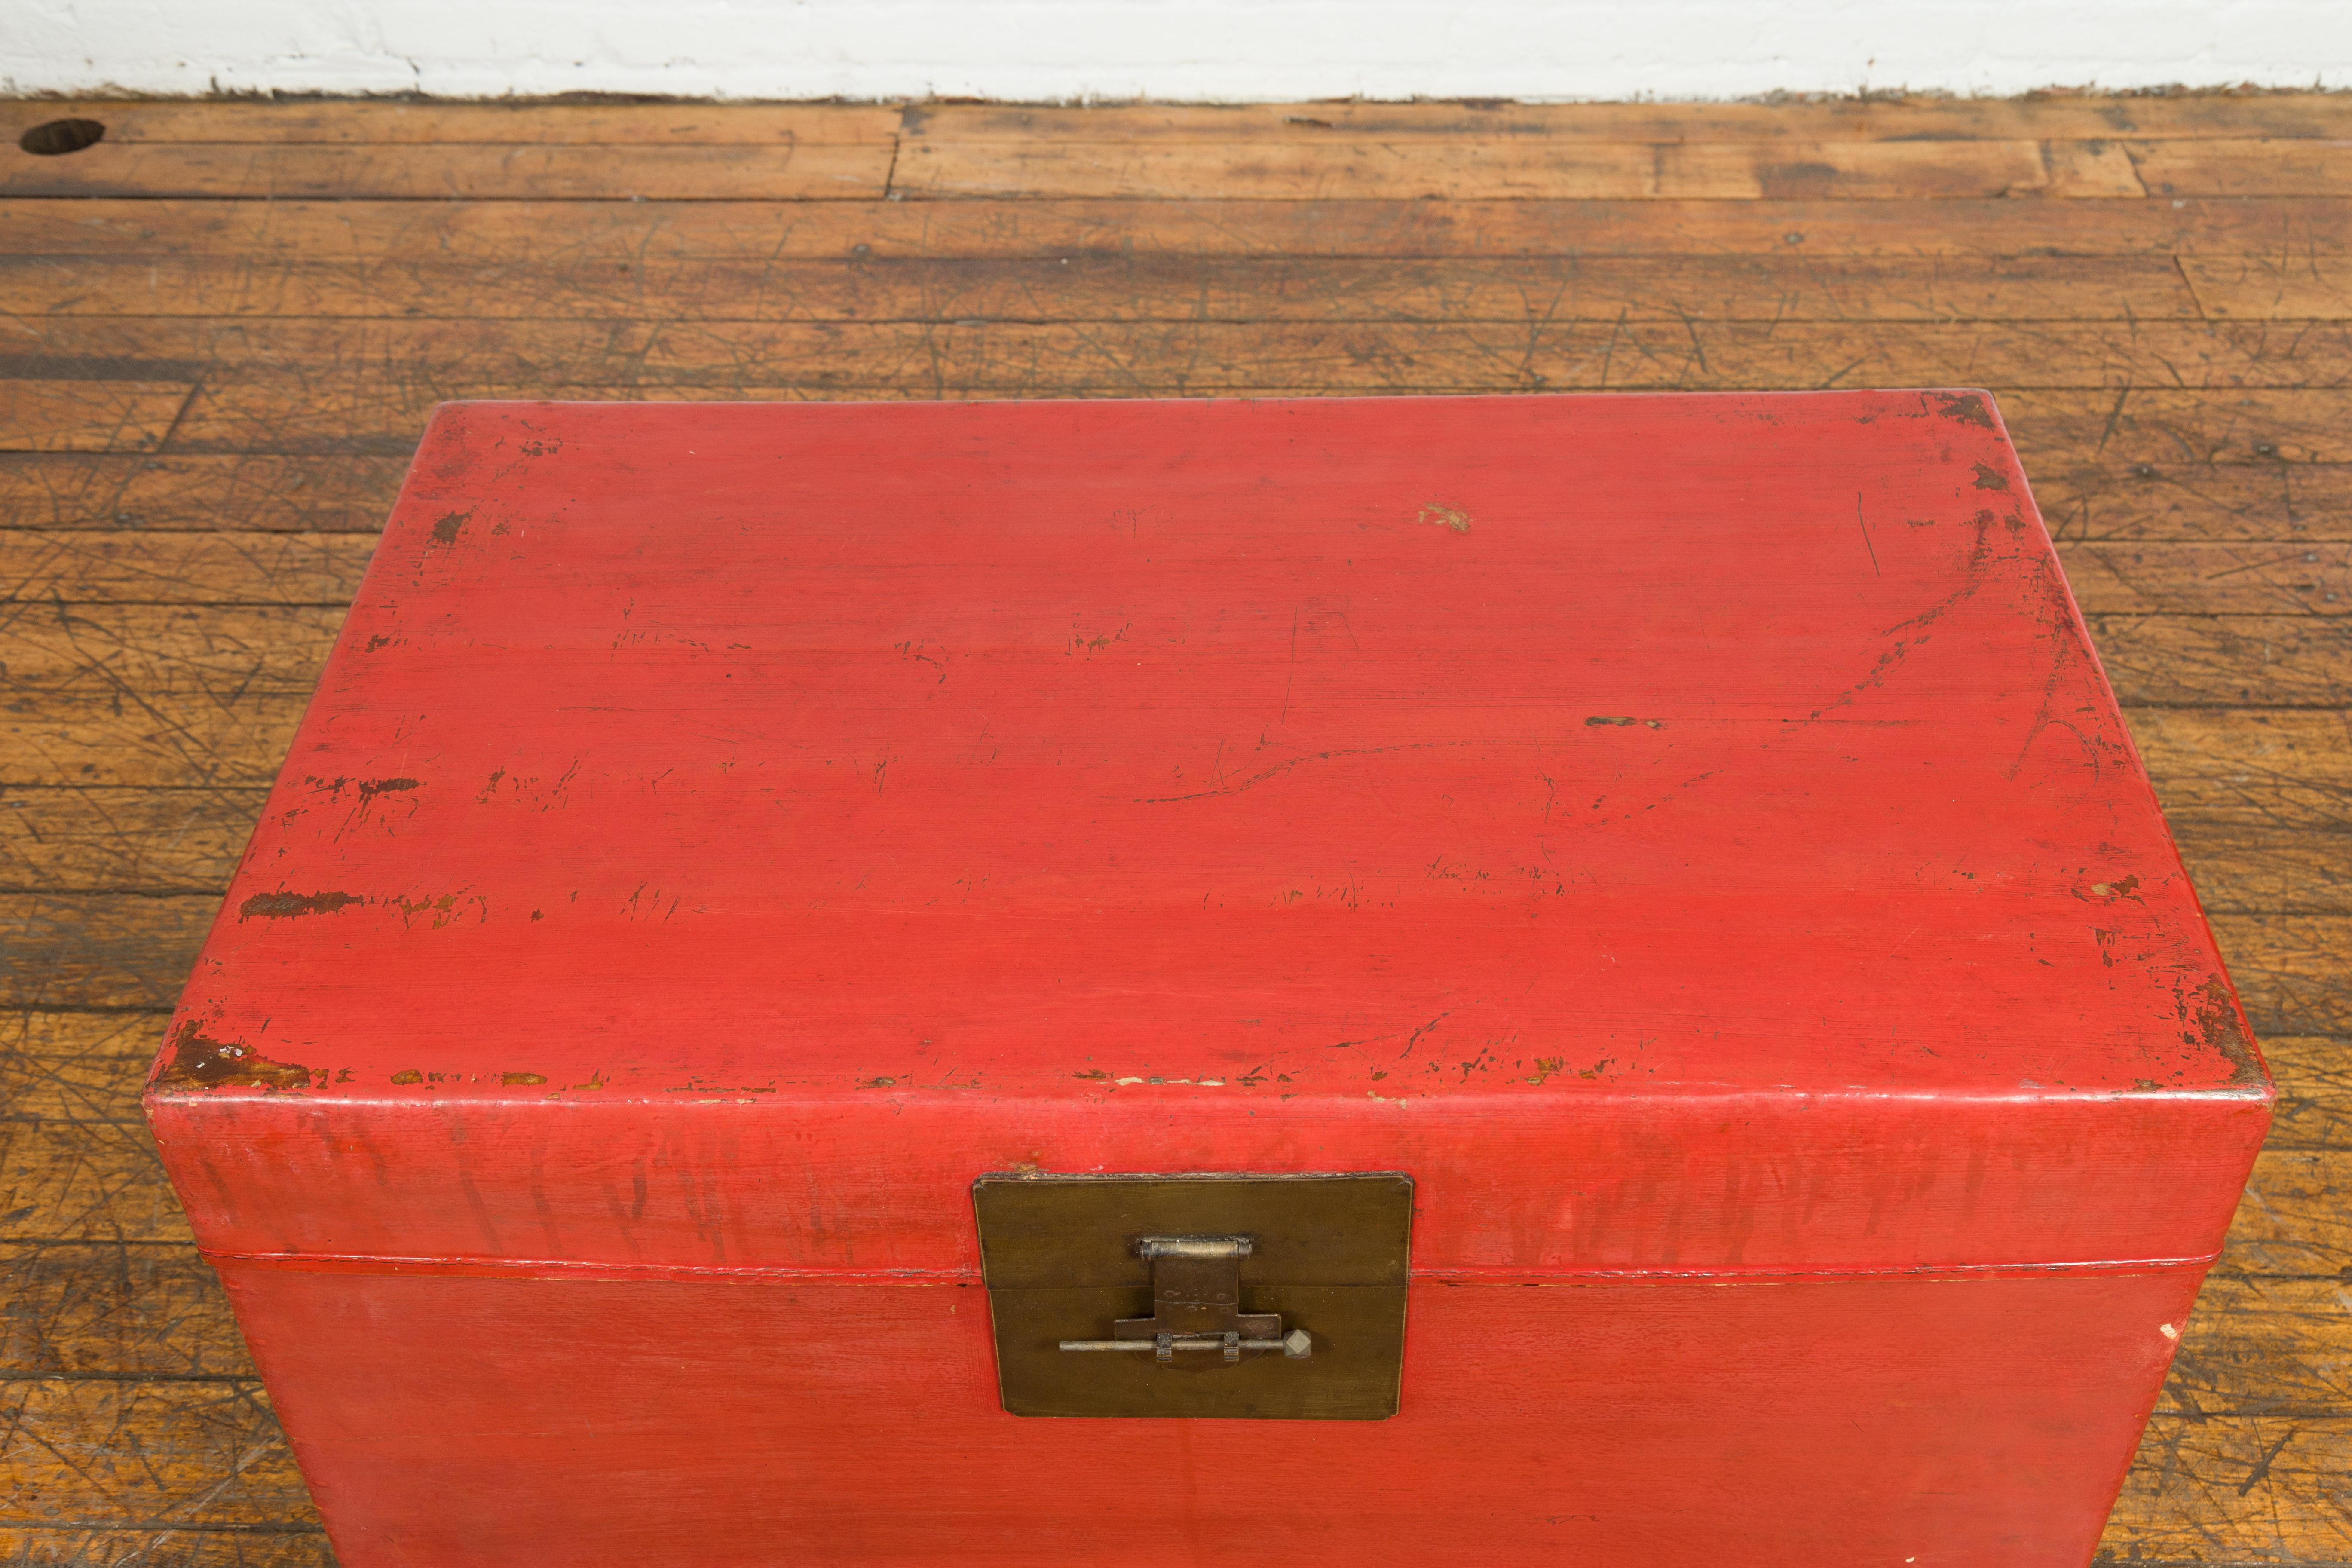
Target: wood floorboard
[(341, 493), (1099, 287), (164, 1546), (2246, 232), (278, 366), (455, 170), (222, 328)]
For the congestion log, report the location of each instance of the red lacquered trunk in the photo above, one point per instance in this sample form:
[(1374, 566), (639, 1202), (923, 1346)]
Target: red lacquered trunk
[(1669, 869)]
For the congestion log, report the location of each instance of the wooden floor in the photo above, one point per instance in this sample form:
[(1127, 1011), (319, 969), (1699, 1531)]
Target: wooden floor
[(225, 323)]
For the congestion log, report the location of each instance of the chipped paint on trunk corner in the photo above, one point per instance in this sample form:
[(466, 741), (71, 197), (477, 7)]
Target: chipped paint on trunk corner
[(2218, 1025), (1964, 408), (198, 1061)]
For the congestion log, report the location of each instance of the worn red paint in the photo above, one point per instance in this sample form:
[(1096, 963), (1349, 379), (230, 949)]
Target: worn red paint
[(1690, 835)]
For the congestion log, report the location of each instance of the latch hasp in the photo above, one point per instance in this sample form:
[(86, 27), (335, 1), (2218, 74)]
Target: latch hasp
[(1299, 1280)]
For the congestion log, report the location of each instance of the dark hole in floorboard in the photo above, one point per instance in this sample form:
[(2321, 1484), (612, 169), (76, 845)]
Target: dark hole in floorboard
[(54, 138)]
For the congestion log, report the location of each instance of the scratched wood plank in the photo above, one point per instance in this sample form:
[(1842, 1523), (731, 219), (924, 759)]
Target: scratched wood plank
[(274, 368), (519, 233), (2242, 1491), (2277, 287), (1095, 285), (445, 171), (155, 566), (933, 164), (2289, 769), (2182, 428), (358, 122), (2151, 361), (387, 376), (2173, 438), (85, 1181), (2185, 499), (2314, 1073), (128, 739), (73, 1086), (2237, 578), (331, 493), (2257, 1357), (2236, 864), (219, 648), (376, 405), (63, 489), (2212, 579), (2293, 1220), (1897, 118), (71, 839), (2238, 868), (81, 1453), (276, 1547), (129, 1036), (2294, 973), (62, 414), (2248, 166), (2262, 1346), (303, 363), (1882, 171), (120, 1312), (95, 950), (2222, 661)]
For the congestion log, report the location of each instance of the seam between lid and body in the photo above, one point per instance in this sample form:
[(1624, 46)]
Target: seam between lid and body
[(552, 1269)]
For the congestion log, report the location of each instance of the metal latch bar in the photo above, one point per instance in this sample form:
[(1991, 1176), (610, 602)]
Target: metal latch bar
[(1298, 1344), (1196, 1296)]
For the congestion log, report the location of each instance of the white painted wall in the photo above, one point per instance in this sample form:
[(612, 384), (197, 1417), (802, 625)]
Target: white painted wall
[(1167, 49)]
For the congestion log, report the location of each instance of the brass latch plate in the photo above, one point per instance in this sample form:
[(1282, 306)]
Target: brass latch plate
[(1072, 1261)]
